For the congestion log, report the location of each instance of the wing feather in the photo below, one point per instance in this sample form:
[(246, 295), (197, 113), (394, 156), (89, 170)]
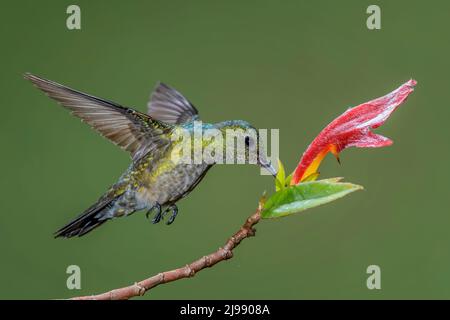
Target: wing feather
[(131, 130), (168, 105)]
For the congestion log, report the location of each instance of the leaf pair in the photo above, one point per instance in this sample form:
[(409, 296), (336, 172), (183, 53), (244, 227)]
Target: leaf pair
[(281, 181)]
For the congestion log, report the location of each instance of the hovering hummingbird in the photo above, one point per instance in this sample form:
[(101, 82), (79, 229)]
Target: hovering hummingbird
[(153, 181)]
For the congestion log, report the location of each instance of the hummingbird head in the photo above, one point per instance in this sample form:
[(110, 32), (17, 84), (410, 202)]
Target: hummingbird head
[(245, 142)]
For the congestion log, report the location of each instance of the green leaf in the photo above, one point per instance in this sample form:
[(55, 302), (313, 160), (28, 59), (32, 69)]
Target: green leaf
[(306, 195), (287, 182), (280, 178), (278, 185)]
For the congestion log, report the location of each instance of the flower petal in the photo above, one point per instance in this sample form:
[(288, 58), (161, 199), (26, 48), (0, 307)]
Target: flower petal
[(352, 129)]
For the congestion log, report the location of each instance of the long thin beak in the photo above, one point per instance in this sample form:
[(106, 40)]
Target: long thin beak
[(269, 167)]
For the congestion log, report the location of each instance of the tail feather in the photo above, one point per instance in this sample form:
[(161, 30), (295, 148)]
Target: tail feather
[(93, 217)]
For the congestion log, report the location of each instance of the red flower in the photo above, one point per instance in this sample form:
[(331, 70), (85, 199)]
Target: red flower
[(352, 129)]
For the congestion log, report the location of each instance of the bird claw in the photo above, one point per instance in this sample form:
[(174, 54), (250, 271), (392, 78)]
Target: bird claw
[(158, 215), (174, 209), (161, 214)]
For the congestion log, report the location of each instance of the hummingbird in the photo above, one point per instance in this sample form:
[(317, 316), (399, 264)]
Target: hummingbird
[(153, 181)]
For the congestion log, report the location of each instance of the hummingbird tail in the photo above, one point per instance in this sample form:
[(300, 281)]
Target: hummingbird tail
[(93, 217)]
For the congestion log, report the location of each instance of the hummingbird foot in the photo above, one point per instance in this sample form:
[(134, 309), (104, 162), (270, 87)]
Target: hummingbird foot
[(174, 210), (158, 215)]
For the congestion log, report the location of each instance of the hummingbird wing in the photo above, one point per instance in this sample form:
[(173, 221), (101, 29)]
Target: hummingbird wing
[(168, 105), (131, 130)]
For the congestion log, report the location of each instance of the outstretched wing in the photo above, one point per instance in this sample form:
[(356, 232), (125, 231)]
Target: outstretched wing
[(132, 130), (168, 105)]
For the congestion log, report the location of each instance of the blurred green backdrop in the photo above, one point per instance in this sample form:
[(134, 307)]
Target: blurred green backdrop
[(293, 65)]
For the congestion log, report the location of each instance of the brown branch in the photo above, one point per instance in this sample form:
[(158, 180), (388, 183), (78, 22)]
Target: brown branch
[(224, 253)]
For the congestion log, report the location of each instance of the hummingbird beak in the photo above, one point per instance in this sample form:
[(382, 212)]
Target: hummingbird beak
[(269, 167)]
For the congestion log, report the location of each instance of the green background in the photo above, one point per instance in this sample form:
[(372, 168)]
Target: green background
[(292, 65)]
